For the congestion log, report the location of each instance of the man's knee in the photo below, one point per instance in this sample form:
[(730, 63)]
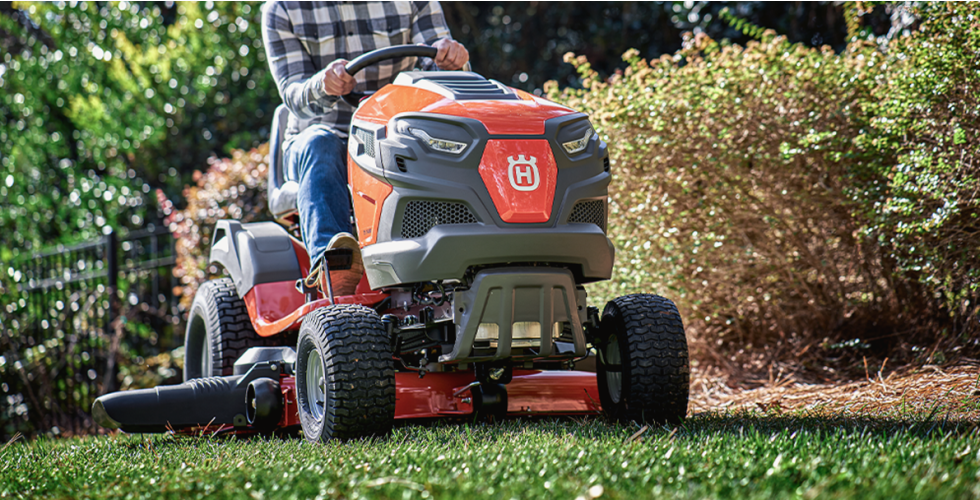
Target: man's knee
[(315, 146), (316, 139)]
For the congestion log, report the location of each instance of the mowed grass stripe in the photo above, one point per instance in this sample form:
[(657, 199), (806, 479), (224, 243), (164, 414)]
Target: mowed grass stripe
[(746, 455)]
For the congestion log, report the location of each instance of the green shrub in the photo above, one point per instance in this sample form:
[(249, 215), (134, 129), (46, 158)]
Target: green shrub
[(926, 111), (754, 185)]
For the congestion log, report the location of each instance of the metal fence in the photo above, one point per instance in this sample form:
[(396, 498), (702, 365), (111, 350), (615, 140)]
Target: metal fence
[(70, 316)]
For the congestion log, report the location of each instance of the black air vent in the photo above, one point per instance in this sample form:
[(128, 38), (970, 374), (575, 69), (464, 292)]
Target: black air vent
[(421, 216), (367, 138), (462, 85), (589, 212), (472, 89)]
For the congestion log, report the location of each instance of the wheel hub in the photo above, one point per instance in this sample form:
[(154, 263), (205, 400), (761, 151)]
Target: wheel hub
[(207, 367), (315, 385), (614, 377)]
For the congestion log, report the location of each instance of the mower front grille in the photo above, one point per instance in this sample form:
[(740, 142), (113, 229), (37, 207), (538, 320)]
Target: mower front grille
[(589, 212), (421, 216), (367, 138)]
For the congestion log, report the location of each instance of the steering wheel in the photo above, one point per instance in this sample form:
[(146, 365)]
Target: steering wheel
[(375, 56)]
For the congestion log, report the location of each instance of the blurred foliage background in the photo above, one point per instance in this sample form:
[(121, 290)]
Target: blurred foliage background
[(101, 102), (800, 177)]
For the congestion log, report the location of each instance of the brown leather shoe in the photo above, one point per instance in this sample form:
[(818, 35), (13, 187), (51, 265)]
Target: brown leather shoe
[(344, 281)]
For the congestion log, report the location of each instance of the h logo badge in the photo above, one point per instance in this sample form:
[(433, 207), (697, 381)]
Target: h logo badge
[(523, 173)]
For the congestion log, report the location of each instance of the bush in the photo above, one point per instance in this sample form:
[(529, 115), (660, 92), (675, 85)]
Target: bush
[(99, 103), (231, 188), (926, 112), (755, 186)]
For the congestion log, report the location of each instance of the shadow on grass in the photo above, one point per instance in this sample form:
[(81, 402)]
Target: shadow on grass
[(883, 426), (716, 423)]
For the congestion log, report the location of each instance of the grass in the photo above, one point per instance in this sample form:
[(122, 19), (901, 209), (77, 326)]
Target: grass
[(744, 455)]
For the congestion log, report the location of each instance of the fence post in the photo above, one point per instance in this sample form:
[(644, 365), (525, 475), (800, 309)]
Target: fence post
[(112, 276), (112, 286)]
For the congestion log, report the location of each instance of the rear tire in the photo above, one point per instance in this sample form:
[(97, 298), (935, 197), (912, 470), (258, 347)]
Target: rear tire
[(345, 374), (643, 371), (219, 330)]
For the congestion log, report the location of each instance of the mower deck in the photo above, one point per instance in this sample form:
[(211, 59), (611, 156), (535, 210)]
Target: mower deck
[(447, 394), (531, 392)]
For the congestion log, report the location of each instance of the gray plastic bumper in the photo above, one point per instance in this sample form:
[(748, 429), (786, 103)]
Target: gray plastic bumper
[(254, 253), (445, 252), (514, 295)]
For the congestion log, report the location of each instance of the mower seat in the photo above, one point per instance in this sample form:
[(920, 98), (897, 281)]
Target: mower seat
[(282, 186)]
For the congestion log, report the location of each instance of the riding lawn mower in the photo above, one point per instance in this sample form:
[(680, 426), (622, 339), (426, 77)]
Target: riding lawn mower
[(480, 213)]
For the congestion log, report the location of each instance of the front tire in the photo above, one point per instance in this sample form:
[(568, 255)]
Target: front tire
[(219, 330), (643, 371), (345, 374)]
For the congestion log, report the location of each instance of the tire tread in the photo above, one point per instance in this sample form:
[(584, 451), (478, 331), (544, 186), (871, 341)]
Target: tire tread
[(659, 366), (229, 325), (360, 370)]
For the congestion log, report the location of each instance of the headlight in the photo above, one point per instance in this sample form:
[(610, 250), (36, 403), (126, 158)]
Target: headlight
[(443, 145), (578, 145)]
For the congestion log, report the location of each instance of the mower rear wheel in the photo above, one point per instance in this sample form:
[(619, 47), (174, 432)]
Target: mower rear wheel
[(345, 374), (218, 331), (643, 371)]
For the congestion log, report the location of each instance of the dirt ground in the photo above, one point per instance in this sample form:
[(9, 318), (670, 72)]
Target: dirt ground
[(951, 392)]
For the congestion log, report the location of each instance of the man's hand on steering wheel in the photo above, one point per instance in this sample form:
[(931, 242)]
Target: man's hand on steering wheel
[(452, 55), (336, 80)]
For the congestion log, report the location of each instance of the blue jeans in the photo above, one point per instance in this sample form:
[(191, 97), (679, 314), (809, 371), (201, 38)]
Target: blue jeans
[(318, 159)]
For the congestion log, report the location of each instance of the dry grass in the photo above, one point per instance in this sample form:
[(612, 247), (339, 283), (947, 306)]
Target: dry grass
[(951, 392)]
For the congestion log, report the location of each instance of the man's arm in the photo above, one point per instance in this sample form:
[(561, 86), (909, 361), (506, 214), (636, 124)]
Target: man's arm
[(429, 27), (302, 88)]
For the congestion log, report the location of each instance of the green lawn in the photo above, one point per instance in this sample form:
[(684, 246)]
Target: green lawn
[(749, 455)]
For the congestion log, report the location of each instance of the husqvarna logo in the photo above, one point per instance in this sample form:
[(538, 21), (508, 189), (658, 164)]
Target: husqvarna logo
[(523, 173)]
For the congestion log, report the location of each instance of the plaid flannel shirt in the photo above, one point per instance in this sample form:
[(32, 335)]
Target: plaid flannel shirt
[(302, 38)]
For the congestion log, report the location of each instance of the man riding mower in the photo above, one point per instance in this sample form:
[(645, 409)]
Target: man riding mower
[(480, 213)]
